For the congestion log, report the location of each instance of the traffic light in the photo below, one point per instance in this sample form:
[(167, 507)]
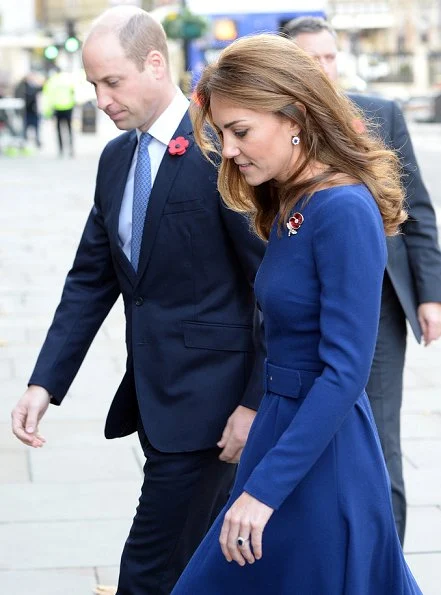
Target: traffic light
[(72, 42), (51, 52)]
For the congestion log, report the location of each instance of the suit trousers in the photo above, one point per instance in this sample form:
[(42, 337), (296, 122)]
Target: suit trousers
[(385, 392), (181, 496)]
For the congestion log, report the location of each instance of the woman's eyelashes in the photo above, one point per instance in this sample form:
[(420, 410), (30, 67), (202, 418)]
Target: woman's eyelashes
[(236, 133)]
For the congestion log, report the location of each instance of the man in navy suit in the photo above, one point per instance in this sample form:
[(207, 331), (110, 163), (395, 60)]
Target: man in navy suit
[(194, 346), (412, 281)]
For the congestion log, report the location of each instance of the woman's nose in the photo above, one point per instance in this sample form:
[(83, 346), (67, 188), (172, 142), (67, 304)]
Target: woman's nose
[(229, 149)]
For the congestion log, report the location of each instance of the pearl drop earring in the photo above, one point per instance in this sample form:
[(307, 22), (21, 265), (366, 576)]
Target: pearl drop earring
[(295, 140)]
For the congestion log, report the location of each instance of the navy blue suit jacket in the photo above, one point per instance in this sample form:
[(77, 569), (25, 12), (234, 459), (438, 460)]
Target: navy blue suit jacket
[(414, 257), (194, 352)]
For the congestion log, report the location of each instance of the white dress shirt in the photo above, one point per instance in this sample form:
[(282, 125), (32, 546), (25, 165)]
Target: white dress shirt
[(162, 131)]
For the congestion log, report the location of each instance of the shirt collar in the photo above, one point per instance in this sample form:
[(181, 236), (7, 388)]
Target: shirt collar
[(165, 126)]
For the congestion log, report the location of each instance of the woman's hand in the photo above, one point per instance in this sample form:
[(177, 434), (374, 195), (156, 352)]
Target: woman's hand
[(246, 518)]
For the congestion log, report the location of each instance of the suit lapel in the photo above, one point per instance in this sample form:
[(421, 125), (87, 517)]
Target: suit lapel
[(168, 170), (117, 186)]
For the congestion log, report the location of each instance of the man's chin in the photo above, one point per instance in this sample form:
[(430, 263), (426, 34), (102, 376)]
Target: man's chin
[(122, 126), (120, 122)]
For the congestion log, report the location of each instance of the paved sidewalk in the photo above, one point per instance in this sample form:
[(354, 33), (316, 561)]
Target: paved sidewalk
[(65, 510)]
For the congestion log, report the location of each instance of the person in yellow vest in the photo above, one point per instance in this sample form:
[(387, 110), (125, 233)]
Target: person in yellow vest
[(59, 101)]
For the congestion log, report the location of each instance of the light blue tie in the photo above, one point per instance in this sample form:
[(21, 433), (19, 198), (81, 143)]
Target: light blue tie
[(141, 194)]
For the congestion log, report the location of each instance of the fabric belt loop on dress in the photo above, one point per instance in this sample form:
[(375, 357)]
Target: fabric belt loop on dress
[(288, 382)]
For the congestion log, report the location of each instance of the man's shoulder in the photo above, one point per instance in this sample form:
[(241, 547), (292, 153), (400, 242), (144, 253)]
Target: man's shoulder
[(120, 141), (373, 103)]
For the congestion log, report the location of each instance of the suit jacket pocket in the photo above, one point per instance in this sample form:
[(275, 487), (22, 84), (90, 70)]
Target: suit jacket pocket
[(183, 206), (221, 337)]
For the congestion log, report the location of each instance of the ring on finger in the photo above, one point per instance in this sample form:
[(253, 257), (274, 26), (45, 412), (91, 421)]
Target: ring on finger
[(241, 541)]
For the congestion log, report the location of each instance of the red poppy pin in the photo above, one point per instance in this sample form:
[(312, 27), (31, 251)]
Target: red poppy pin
[(294, 223), (178, 146)]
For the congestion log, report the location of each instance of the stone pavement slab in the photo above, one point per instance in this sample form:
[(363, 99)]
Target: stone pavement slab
[(424, 425), (425, 401), (68, 501), (62, 544), (14, 467), (427, 568), (72, 581), (107, 575), (78, 465), (423, 531), (423, 486), (423, 454)]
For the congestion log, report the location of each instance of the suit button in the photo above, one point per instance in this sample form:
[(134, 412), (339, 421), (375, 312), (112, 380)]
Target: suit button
[(139, 301)]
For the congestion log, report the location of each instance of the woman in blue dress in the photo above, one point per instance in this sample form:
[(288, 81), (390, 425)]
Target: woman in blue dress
[(310, 512)]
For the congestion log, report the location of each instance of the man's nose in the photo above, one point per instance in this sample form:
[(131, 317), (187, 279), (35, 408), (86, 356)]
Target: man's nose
[(102, 99), (322, 62), (325, 67)]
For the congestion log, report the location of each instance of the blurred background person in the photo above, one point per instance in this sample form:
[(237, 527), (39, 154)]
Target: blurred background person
[(59, 102), (412, 281), (29, 90)]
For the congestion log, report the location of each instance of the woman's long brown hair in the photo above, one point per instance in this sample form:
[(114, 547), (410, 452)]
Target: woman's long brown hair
[(271, 73)]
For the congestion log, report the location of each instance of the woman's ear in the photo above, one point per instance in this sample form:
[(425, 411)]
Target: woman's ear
[(301, 107), (296, 112), (295, 129)]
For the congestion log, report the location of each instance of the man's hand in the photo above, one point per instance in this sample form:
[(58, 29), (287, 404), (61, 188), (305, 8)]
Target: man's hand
[(27, 414), (429, 316), (235, 434)]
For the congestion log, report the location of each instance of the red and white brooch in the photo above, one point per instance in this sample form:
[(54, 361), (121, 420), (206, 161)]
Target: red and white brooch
[(294, 223)]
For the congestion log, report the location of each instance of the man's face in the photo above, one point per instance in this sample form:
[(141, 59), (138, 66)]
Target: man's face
[(130, 97), (321, 46)]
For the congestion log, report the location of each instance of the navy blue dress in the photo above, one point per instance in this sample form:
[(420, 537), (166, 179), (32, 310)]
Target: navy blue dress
[(313, 452)]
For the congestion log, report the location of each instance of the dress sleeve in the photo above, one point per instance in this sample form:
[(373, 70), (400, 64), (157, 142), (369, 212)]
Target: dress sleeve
[(350, 255)]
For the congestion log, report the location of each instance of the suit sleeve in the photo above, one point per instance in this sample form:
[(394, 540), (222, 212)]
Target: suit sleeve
[(249, 250), (89, 292), (420, 231), (350, 254)]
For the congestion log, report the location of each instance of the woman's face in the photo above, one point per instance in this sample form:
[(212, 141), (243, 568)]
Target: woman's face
[(258, 142)]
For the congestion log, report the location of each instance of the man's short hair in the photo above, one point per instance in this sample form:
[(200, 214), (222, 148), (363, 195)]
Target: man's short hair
[(300, 25)]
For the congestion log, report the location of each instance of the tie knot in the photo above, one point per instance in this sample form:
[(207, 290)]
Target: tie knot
[(144, 140)]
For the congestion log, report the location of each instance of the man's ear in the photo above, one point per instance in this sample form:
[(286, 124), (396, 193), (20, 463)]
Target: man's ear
[(155, 62)]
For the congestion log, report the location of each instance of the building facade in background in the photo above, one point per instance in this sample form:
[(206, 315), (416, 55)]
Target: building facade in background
[(392, 43), (392, 46)]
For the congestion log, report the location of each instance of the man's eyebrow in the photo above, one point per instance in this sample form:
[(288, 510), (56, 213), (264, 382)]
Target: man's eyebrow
[(105, 78)]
